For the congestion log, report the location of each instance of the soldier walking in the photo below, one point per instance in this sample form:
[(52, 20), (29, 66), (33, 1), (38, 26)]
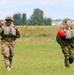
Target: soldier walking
[(65, 38), (9, 33)]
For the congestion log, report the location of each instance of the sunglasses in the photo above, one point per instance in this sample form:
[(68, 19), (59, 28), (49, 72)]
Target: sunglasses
[(8, 20)]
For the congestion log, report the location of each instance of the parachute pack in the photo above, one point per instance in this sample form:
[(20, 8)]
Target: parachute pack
[(9, 31), (69, 34)]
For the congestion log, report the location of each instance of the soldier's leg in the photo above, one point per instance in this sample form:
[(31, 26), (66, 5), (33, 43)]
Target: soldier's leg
[(11, 52), (71, 55), (6, 61), (70, 60), (10, 59), (6, 54), (65, 51)]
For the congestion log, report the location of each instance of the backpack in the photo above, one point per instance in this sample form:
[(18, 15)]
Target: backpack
[(9, 31)]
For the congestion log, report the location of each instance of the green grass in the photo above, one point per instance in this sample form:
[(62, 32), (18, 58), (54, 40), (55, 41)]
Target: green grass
[(38, 31), (37, 56)]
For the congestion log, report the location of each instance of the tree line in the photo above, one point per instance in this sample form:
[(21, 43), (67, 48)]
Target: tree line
[(37, 18)]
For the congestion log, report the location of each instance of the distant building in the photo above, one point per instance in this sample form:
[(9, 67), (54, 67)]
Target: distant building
[(73, 21), (59, 22), (56, 22)]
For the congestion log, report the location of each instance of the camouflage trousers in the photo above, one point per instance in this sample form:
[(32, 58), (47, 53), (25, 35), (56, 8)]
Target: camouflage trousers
[(68, 54), (8, 52)]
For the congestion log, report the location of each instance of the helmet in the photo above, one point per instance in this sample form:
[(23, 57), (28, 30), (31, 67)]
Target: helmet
[(9, 18), (61, 32)]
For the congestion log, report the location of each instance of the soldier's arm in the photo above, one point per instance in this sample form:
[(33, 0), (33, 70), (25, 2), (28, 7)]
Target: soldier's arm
[(17, 33), (1, 24)]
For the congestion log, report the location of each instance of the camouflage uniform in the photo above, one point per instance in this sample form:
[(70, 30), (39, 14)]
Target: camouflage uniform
[(67, 46), (8, 43)]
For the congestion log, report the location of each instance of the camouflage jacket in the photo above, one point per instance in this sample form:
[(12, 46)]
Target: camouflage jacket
[(62, 41)]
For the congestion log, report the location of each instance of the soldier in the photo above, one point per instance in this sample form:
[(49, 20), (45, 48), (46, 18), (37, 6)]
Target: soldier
[(67, 44), (9, 34)]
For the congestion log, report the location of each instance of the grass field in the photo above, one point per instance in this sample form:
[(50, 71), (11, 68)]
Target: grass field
[(37, 55)]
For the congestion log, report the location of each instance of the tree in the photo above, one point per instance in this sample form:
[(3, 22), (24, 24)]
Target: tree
[(37, 17), (24, 19), (47, 21), (17, 19)]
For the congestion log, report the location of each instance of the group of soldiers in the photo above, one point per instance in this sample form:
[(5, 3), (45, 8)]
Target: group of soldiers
[(66, 42), (9, 33)]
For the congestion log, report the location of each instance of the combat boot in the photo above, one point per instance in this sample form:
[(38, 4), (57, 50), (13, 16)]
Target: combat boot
[(70, 60), (67, 63), (8, 68)]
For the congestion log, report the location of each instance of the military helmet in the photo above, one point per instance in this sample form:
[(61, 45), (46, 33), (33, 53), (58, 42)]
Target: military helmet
[(9, 18)]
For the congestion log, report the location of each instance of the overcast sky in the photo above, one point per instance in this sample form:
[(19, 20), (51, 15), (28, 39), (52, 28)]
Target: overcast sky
[(56, 9)]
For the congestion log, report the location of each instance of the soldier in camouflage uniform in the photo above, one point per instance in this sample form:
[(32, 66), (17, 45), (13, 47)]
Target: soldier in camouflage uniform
[(67, 45), (8, 40)]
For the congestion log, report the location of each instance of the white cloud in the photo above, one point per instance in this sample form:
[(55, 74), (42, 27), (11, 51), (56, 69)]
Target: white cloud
[(13, 3), (50, 7), (4, 2), (27, 2), (37, 2)]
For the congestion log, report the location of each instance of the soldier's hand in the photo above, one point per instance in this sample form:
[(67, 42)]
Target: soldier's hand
[(65, 31), (1, 24), (15, 27), (72, 32)]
